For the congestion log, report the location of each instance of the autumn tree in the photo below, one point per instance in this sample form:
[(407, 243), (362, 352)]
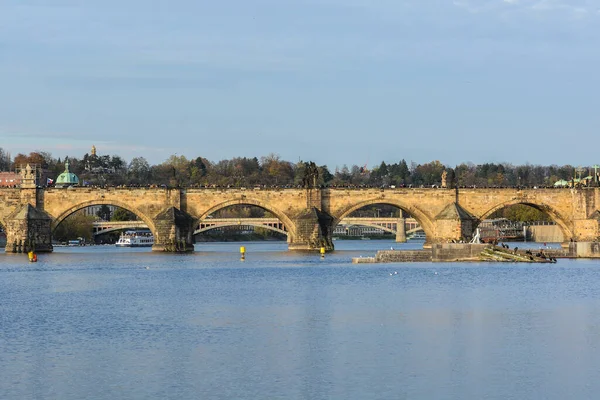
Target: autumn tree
[(34, 158), (276, 171)]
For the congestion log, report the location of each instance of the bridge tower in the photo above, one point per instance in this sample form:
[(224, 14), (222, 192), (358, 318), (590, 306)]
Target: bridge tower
[(454, 223), (28, 227), (313, 227)]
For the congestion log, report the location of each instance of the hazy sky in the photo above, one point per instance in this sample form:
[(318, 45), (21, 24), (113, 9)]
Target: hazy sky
[(334, 81)]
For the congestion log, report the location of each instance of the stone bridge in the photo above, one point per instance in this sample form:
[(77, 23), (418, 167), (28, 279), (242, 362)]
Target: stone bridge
[(30, 214)]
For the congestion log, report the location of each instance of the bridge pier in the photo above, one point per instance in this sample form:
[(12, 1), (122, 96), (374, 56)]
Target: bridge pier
[(28, 229), (174, 231), (314, 230), (401, 230)]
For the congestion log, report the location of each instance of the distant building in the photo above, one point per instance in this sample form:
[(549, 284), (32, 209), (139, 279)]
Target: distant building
[(93, 210), (9, 179), (67, 178)]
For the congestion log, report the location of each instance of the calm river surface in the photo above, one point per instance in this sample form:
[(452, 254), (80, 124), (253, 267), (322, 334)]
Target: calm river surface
[(107, 323)]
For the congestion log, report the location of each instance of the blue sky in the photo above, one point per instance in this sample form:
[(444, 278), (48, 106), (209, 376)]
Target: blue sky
[(334, 81)]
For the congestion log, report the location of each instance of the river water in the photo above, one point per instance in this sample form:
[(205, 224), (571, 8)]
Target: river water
[(107, 323)]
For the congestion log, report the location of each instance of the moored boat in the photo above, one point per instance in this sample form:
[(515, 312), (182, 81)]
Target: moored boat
[(135, 239)]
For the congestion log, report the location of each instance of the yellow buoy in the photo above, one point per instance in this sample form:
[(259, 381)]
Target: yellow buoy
[(243, 252), (322, 252)]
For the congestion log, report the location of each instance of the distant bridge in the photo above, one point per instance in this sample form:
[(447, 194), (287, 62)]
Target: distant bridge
[(100, 228), (386, 224)]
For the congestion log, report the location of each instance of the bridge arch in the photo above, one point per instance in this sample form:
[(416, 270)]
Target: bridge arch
[(287, 222), (416, 213), (64, 214), (552, 213)]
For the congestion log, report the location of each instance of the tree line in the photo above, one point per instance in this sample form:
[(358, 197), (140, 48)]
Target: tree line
[(272, 171)]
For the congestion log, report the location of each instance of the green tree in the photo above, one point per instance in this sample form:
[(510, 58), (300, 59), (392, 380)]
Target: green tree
[(139, 171), (178, 170), (5, 162), (521, 213), (104, 213), (121, 214), (75, 226), (325, 177), (299, 172)]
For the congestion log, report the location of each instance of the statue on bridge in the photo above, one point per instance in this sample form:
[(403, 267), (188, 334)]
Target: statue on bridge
[(311, 175), (448, 179)]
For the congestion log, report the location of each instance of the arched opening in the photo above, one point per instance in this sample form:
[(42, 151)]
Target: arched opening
[(380, 220), (523, 222), (101, 223), (240, 222)]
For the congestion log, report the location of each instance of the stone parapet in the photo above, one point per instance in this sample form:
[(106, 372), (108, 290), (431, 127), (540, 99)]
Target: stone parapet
[(389, 256), (457, 251)]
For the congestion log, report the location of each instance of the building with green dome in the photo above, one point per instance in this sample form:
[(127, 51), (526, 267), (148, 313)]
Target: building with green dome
[(67, 178)]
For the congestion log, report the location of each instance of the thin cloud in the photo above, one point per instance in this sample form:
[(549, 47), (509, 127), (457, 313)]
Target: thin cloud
[(18, 133), (565, 8)]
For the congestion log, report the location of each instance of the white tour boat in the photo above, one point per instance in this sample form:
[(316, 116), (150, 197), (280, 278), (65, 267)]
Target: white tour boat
[(135, 239), (418, 235)]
